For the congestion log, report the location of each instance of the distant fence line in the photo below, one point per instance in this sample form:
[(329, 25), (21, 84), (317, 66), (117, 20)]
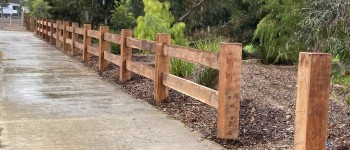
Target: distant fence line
[(311, 120)]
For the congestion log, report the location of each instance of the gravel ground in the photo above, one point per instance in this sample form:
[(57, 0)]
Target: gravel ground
[(267, 106)]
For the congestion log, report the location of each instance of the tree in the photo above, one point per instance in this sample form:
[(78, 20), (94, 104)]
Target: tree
[(39, 8), (157, 19), (326, 28), (122, 17), (276, 33)]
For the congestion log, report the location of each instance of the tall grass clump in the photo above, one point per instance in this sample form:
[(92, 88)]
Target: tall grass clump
[(207, 76), (181, 68)]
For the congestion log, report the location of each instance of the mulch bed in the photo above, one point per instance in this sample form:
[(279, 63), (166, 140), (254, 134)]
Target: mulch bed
[(267, 106)]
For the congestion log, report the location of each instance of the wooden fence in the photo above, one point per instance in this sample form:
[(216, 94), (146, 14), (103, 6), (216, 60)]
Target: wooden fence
[(29, 22), (313, 75), (226, 99)]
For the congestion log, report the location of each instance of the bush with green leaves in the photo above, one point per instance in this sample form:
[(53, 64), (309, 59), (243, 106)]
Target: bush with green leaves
[(39, 9), (276, 32), (206, 76), (122, 17), (158, 19)]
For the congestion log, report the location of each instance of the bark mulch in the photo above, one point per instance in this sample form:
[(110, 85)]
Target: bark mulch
[(267, 106)]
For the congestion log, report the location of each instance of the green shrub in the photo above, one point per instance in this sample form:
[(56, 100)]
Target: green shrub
[(181, 68), (114, 48), (209, 77)]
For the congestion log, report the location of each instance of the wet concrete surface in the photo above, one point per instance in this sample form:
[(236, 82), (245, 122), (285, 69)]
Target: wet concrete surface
[(50, 101)]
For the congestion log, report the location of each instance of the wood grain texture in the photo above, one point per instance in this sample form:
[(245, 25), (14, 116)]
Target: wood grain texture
[(87, 42), (140, 69), (162, 61), (69, 29), (312, 105), (74, 50), (112, 58), (69, 41), (141, 44), (202, 57), (114, 38), (94, 34), (93, 50), (103, 46), (229, 91), (125, 55), (79, 45), (199, 92), (79, 31), (65, 36)]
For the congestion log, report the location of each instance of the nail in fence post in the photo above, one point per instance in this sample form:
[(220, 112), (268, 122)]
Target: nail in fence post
[(229, 90), (74, 37), (87, 42), (65, 36), (125, 54), (162, 65), (103, 46), (311, 115)]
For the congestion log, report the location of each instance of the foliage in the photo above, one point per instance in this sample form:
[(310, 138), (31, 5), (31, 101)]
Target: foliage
[(39, 9), (181, 68), (276, 32), (209, 77), (249, 49), (326, 26), (122, 17), (114, 48), (96, 12), (158, 19)]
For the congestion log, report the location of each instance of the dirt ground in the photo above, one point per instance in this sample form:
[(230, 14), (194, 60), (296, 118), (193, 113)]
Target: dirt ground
[(267, 106)]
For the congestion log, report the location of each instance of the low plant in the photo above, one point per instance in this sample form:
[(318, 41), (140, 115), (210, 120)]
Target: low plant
[(209, 77), (181, 68)]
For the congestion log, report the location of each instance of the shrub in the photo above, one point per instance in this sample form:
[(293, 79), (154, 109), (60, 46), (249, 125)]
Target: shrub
[(181, 68), (209, 77)]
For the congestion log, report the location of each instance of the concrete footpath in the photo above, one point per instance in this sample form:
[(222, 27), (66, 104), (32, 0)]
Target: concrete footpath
[(51, 101)]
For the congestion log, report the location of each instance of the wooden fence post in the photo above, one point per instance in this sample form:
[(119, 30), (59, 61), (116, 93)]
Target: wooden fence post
[(39, 27), (51, 31), (42, 28), (229, 90), (125, 54), (74, 38), (311, 115), (162, 65), (47, 30), (58, 33), (103, 46), (32, 24), (65, 36), (87, 42)]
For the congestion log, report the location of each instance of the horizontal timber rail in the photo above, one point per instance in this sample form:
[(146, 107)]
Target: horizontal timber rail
[(228, 62)]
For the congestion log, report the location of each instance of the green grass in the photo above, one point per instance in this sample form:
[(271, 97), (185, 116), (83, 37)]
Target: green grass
[(338, 78), (342, 80), (207, 76), (181, 68), (348, 101)]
